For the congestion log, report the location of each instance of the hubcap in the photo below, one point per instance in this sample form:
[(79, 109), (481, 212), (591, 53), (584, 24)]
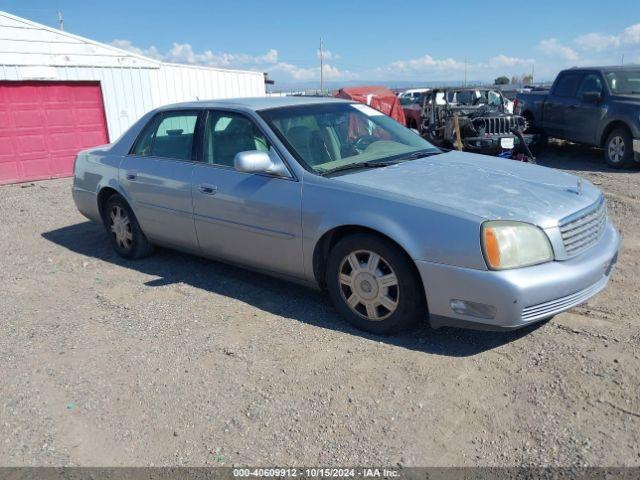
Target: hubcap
[(369, 285), (121, 227), (616, 149)]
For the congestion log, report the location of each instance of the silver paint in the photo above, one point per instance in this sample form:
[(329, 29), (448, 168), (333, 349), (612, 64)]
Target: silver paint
[(432, 208)]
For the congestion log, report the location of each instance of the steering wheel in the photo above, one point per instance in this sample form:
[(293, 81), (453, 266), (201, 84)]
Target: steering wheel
[(364, 141)]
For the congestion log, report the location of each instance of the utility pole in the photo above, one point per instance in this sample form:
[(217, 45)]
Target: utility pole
[(622, 60), (533, 65), (465, 71), (321, 83), (60, 20)]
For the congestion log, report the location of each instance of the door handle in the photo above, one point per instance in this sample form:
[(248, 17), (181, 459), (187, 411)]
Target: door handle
[(208, 189), (131, 175)]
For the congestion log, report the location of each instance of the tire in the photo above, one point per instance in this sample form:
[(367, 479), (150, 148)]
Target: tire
[(395, 305), (125, 234), (618, 149)]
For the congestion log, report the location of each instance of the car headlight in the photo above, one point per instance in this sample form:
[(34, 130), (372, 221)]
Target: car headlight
[(507, 244)]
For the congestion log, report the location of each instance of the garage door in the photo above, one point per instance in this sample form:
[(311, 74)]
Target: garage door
[(43, 125)]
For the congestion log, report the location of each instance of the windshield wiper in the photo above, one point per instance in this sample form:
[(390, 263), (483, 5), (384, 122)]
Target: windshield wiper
[(355, 166), (381, 163), (422, 154)]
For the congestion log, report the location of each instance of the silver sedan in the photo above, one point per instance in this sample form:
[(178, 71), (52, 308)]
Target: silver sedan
[(338, 196)]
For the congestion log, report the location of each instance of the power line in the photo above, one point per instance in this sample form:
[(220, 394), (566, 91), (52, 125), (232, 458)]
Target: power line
[(321, 65)]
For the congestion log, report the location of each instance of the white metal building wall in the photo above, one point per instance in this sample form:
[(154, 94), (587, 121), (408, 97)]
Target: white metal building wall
[(177, 83), (131, 84)]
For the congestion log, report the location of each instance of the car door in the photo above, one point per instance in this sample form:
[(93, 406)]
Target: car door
[(251, 219), (561, 98), (583, 117), (156, 175)]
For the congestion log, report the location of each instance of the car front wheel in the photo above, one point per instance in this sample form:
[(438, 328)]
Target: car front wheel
[(374, 285)]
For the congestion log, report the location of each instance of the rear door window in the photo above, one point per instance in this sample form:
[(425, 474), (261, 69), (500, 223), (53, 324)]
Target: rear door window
[(568, 85), (174, 136), (169, 135)]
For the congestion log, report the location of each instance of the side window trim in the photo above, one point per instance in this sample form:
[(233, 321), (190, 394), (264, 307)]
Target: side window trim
[(212, 113)]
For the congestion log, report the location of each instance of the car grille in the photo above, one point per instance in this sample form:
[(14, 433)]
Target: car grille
[(498, 125), (584, 228), (549, 309)]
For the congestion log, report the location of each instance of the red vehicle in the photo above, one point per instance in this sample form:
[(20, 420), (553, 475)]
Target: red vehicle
[(412, 108), (380, 98)]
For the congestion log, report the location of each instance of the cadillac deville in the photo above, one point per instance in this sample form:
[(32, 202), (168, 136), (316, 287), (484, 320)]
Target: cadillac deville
[(336, 195)]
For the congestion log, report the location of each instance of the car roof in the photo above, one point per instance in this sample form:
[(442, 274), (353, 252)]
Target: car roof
[(256, 103), (611, 67)]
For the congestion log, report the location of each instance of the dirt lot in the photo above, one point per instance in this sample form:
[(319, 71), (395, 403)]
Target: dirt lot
[(176, 360)]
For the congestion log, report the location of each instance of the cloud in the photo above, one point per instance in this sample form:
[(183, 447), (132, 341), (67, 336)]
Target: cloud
[(631, 35), (596, 42), (505, 61), (552, 55), (329, 72), (426, 63), (328, 55), (552, 47), (184, 53), (269, 61), (151, 52)]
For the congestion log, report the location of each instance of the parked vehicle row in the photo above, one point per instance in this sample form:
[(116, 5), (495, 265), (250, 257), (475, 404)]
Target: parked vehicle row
[(597, 106), (335, 194)]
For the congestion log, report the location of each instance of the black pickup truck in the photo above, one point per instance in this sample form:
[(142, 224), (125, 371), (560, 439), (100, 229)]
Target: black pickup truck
[(597, 106)]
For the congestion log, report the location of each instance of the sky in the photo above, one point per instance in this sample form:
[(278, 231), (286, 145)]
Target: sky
[(364, 41)]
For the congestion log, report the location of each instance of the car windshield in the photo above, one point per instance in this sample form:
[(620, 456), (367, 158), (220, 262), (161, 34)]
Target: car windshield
[(624, 81), (334, 135)]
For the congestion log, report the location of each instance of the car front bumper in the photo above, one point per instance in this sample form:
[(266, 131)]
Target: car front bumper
[(521, 296), (492, 144)]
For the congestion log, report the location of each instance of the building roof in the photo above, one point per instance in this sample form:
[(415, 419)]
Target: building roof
[(256, 103)]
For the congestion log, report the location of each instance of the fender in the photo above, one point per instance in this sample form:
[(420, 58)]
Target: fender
[(425, 232)]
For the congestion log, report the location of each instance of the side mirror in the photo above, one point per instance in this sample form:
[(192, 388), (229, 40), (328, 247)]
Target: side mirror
[(256, 161), (592, 97)]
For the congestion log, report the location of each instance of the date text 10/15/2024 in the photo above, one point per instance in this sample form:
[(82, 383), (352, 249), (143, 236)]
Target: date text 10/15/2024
[(316, 472)]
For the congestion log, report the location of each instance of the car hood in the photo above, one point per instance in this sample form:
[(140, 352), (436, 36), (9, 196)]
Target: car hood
[(488, 187)]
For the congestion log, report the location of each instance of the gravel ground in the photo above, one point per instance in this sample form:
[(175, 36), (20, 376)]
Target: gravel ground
[(175, 360)]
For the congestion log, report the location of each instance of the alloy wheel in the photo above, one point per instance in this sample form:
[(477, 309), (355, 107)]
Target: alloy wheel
[(121, 227), (616, 149), (369, 285)]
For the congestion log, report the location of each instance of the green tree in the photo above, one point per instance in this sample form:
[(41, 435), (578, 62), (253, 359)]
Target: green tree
[(527, 79), (501, 80)]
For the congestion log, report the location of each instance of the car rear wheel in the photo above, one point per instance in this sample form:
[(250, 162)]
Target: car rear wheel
[(125, 234), (374, 285), (618, 150)]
